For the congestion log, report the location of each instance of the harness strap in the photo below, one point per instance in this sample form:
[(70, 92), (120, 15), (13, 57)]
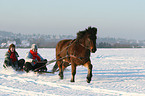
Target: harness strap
[(67, 55), (80, 58), (49, 62), (84, 46)]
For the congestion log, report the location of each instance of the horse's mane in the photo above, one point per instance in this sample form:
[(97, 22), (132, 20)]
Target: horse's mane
[(90, 30)]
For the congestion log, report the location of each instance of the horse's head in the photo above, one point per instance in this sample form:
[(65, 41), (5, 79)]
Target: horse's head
[(88, 38)]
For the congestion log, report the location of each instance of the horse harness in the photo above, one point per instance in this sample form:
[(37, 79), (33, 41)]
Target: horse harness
[(80, 58)]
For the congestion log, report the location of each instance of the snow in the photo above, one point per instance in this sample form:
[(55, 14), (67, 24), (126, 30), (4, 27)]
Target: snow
[(116, 72)]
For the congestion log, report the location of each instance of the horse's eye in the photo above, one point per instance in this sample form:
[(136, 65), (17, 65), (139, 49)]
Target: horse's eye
[(92, 37)]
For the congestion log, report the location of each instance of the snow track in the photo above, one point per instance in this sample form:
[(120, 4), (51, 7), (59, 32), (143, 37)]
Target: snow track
[(114, 74), (17, 91)]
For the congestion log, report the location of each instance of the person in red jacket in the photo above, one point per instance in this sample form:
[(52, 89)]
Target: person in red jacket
[(34, 61), (11, 59)]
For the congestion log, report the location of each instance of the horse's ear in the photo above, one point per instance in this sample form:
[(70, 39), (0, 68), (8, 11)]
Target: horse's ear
[(89, 28), (94, 30)]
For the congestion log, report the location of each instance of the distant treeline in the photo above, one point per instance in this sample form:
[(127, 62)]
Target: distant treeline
[(100, 45), (50, 41), (116, 45)]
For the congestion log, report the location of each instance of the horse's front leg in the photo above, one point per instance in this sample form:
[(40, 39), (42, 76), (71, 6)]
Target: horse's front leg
[(73, 72), (89, 66)]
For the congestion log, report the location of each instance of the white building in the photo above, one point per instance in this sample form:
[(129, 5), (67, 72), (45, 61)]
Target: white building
[(25, 43), (3, 44)]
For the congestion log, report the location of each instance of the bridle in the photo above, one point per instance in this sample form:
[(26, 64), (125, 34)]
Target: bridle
[(74, 56), (84, 46)]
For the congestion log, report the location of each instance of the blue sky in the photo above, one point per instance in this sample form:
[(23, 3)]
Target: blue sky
[(113, 18)]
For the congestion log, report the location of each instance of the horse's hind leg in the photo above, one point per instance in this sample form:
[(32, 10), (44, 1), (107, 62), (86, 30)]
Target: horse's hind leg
[(60, 69), (89, 66), (73, 72), (64, 65)]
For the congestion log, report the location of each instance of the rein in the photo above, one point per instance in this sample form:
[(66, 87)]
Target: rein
[(54, 60), (80, 58), (67, 56), (84, 46)]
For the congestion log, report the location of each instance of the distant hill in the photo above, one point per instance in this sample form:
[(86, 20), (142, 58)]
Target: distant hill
[(4, 34), (42, 40)]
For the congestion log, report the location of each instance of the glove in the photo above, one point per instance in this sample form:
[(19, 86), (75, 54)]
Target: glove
[(45, 60), (34, 60)]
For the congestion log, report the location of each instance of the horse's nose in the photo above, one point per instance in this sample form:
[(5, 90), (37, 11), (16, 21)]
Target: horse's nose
[(93, 50)]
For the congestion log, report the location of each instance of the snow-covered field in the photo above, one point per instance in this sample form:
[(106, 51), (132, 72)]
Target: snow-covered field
[(116, 72)]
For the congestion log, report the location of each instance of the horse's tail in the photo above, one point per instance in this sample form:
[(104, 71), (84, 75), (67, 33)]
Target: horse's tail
[(55, 67)]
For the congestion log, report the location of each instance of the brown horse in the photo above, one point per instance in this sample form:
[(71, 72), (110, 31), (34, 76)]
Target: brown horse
[(77, 52)]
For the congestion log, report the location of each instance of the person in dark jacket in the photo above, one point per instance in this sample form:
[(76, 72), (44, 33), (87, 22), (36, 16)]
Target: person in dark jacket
[(11, 59), (34, 61)]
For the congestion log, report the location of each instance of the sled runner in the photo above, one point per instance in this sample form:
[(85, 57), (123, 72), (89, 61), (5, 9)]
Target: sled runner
[(43, 72)]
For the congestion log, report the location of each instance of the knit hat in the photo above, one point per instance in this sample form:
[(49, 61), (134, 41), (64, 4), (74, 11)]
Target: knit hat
[(34, 46), (12, 45)]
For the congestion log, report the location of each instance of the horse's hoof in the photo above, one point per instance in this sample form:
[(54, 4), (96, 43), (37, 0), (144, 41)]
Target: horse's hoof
[(72, 81), (61, 77), (88, 81)]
